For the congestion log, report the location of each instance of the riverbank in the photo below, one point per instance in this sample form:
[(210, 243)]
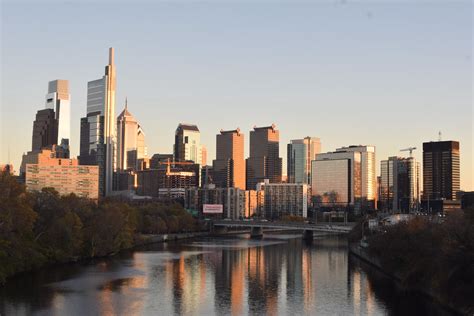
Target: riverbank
[(363, 254)]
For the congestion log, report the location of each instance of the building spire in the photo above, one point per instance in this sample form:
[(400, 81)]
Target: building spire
[(126, 103), (111, 56)]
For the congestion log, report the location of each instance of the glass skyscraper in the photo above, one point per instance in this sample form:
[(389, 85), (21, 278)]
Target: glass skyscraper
[(59, 100), (300, 154), (98, 127)]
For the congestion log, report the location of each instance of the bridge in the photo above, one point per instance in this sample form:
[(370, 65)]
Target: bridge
[(256, 227)]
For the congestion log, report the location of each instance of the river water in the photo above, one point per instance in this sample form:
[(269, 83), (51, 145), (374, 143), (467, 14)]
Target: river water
[(278, 275)]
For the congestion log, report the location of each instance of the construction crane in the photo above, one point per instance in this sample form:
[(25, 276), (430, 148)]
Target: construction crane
[(169, 163), (410, 149)]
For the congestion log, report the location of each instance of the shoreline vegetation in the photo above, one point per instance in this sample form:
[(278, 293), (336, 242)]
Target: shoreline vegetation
[(430, 257), (43, 228)]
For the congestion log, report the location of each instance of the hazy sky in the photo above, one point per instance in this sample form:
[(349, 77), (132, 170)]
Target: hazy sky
[(391, 74)]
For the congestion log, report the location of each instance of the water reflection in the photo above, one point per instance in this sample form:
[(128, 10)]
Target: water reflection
[(237, 276)]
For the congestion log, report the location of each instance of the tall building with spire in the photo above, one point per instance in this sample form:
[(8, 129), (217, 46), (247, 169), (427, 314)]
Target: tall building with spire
[(58, 99), (264, 161), (98, 127), (130, 141)]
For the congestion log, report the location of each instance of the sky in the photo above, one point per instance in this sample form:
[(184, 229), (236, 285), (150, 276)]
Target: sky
[(387, 73)]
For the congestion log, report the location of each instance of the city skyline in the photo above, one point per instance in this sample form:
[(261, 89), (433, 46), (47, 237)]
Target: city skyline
[(162, 108)]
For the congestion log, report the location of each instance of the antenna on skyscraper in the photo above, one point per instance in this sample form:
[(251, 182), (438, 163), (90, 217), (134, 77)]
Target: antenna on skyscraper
[(439, 136)]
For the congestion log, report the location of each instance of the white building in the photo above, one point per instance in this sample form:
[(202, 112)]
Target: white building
[(284, 199), (59, 100)]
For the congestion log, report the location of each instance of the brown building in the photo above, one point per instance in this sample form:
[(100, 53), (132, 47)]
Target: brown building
[(229, 166), (264, 161), (45, 130), (64, 175)]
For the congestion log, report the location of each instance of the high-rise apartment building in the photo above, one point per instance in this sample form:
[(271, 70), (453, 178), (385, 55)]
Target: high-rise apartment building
[(368, 173), (284, 199), (336, 179), (441, 170), (300, 154), (59, 100), (65, 175), (399, 184), (130, 141), (98, 127), (45, 130), (264, 161), (187, 145), (229, 166)]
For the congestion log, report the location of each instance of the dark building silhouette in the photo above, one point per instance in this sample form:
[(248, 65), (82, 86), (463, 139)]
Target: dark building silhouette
[(441, 174), (264, 161), (45, 130)]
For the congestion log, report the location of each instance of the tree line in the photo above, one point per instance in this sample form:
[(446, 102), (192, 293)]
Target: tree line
[(434, 256), (37, 228)]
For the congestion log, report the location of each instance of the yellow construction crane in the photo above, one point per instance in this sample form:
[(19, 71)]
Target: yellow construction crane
[(169, 163), (410, 149)]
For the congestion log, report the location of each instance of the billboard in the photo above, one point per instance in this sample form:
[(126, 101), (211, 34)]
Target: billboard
[(212, 209)]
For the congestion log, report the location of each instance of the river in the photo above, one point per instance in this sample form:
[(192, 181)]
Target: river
[(277, 275)]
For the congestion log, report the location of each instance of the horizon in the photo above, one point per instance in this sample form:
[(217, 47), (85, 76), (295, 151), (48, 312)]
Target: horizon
[(271, 71)]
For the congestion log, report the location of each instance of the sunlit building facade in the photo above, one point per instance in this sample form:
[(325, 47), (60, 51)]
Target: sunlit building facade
[(64, 175), (187, 145), (399, 184), (229, 165), (300, 154), (58, 99), (264, 161), (98, 132), (284, 199), (336, 178)]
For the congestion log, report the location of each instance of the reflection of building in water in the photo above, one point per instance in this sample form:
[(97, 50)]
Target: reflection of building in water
[(307, 279)]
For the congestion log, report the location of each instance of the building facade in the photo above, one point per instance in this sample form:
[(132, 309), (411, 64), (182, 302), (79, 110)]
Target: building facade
[(264, 161), (337, 179), (441, 170), (45, 130), (58, 99), (300, 154), (130, 141), (187, 145), (284, 199), (98, 127), (64, 175), (368, 173), (229, 166), (399, 184)]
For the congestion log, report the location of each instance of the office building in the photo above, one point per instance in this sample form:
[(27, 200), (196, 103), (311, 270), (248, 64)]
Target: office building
[(229, 166), (187, 145), (264, 161), (399, 184), (336, 179), (131, 146), (368, 173), (64, 175), (441, 170), (58, 99), (284, 199), (300, 154), (98, 127), (45, 130)]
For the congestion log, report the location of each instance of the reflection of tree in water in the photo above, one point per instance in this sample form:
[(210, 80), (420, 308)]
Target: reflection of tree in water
[(397, 300)]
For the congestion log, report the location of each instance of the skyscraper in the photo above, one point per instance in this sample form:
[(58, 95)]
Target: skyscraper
[(399, 184), (130, 141), (187, 145), (98, 127), (58, 99), (300, 154), (441, 170), (45, 130), (368, 173), (229, 166), (264, 161)]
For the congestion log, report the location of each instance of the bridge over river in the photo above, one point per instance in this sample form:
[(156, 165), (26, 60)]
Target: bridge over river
[(256, 227)]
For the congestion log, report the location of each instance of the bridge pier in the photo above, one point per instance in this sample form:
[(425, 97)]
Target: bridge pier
[(218, 230), (308, 235), (256, 232)]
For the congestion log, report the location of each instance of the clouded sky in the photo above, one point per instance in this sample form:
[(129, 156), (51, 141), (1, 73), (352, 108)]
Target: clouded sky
[(392, 73)]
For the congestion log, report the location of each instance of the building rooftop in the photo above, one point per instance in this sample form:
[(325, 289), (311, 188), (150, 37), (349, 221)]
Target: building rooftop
[(188, 127)]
